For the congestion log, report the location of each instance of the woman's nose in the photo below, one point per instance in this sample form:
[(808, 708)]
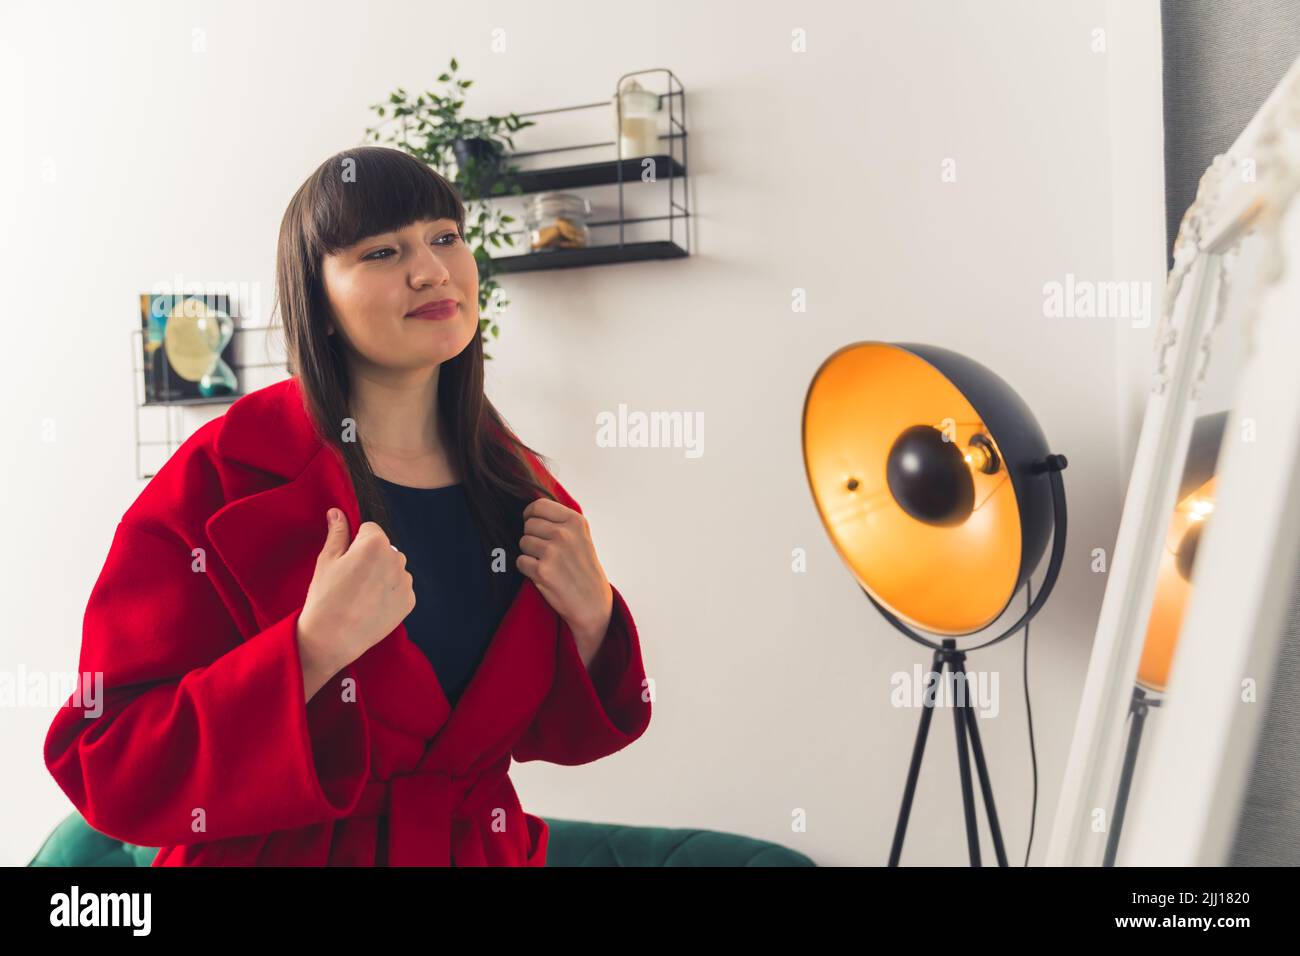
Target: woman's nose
[(428, 269)]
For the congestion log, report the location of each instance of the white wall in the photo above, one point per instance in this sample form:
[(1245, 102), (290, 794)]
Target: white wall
[(1137, 197), (131, 159)]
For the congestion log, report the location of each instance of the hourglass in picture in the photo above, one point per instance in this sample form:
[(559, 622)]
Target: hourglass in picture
[(187, 347)]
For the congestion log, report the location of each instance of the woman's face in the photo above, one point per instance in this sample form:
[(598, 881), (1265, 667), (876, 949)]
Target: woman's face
[(374, 285)]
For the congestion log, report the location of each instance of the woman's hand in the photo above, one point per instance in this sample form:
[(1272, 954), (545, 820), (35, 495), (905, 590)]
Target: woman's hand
[(359, 593), (559, 557)]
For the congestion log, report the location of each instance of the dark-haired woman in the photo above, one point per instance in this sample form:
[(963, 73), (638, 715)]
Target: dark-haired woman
[(338, 612)]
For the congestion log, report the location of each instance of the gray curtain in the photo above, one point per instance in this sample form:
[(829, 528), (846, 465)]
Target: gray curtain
[(1221, 60)]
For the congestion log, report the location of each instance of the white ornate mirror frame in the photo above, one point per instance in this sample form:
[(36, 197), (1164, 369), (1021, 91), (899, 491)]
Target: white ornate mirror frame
[(1199, 757)]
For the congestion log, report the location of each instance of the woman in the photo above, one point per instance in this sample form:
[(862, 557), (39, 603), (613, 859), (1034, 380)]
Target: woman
[(338, 611)]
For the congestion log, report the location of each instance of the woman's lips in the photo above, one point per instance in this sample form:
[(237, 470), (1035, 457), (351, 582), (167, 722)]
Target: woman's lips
[(438, 310)]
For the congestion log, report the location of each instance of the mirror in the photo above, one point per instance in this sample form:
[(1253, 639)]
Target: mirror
[(1223, 302), (1198, 587)]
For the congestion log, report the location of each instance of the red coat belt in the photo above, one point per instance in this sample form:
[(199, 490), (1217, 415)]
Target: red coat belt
[(423, 806)]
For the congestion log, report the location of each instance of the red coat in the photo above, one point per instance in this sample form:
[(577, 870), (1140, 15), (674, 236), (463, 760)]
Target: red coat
[(206, 747)]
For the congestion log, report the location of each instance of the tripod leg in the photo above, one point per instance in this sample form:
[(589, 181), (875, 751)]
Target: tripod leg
[(986, 786), (918, 749), (967, 796)]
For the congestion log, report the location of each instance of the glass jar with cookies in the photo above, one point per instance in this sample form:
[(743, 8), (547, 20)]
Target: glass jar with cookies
[(557, 221)]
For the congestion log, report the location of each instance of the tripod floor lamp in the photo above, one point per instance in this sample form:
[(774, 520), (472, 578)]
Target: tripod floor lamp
[(935, 484)]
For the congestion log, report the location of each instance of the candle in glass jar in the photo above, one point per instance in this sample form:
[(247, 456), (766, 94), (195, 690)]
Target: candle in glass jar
[(638, 132)]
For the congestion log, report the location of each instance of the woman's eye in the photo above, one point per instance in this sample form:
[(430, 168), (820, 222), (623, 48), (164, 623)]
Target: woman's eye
[(374, 256)]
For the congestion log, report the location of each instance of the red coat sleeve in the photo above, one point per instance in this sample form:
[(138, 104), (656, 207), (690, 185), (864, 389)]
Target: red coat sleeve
[(586, 716), (193, 717)]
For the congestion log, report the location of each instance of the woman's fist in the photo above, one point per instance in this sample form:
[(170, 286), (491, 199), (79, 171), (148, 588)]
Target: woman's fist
[(559, 557), (358, 594)]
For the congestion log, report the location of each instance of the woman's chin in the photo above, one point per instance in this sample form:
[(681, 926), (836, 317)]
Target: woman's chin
[(445, 347)]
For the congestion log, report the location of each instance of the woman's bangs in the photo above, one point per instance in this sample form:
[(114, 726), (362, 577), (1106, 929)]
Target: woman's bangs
[(379, 194)]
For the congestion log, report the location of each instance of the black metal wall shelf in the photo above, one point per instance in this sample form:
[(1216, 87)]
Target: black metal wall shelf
[(619, 170), (591, 256), (596, 174)]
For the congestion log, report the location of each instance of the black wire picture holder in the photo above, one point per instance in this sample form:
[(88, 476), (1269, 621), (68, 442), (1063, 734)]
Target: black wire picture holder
[(175, 437)]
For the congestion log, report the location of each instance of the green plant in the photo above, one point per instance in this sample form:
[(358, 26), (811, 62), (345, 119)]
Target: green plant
[(430, 127)]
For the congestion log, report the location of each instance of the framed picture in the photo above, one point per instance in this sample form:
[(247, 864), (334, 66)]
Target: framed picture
[(1187, 653), (188, 350)]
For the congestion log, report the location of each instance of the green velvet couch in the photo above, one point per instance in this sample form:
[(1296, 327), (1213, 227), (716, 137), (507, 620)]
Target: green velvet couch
[(572, 843)]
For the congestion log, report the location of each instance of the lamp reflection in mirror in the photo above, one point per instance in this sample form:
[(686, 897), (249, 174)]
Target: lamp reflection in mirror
[(1194, 506)]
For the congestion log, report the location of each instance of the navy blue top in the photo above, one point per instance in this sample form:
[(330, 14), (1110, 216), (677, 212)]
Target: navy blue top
[(455, 613)]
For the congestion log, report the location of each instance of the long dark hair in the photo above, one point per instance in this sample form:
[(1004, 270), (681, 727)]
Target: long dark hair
[(354, 194)]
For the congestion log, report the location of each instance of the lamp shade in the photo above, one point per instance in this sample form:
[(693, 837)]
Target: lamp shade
[(920, 461)]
